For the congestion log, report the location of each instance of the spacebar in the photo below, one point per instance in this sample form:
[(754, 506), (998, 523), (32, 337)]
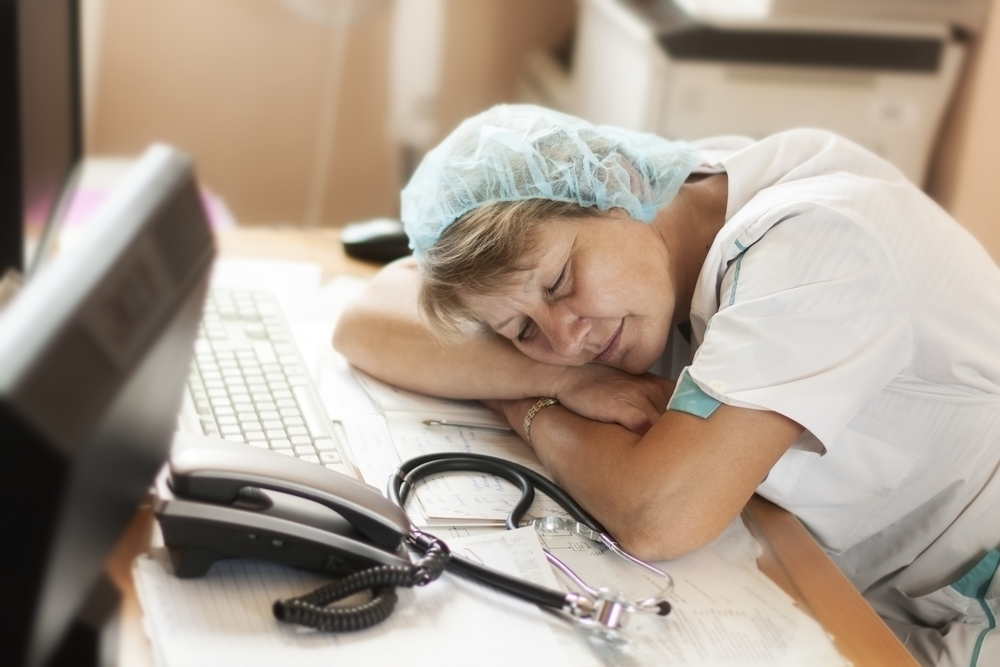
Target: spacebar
[(315, 417)]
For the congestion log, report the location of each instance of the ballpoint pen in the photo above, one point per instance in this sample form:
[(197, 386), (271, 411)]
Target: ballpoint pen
[(454, 424)]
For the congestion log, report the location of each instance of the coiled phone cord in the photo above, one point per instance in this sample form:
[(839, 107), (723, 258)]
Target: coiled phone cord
[(313, 610)]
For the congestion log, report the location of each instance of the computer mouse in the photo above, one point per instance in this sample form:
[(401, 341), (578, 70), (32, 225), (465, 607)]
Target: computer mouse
[(380, 240)]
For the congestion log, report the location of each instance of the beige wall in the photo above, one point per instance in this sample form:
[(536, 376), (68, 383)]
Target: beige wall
[(965, 179), (243, 84), (240, 84)]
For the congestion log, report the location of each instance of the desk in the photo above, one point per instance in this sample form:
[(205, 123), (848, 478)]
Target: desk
[(792, 558)]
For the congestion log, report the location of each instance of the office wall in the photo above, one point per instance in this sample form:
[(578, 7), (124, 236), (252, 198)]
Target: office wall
[(964, 179), (240, 84), (255, 93)]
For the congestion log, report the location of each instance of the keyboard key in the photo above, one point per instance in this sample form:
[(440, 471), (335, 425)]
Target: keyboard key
[(256, 436), (311, 458), (301, 440), (304, 449), (265, 352), (330, 457), (317, 422), (325, 444)]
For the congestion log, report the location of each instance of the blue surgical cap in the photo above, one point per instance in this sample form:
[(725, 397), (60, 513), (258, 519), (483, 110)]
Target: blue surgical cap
[(521, 151)]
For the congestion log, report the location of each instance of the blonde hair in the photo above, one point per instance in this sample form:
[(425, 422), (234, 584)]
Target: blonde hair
[(479, 254)]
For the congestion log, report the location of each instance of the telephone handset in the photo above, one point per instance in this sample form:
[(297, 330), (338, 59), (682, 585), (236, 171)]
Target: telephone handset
[(216, 499)]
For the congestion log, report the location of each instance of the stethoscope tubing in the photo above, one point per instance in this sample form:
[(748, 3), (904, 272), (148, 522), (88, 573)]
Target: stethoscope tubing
[(417, 468), (526, 479)]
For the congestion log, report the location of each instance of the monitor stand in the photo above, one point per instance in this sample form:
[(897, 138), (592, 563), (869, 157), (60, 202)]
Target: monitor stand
[(92, 640)]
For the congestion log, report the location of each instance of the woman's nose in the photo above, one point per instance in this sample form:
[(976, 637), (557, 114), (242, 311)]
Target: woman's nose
[(568, 332)]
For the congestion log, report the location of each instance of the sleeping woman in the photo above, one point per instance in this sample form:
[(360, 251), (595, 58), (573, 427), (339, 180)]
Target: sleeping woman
[(674, 327)]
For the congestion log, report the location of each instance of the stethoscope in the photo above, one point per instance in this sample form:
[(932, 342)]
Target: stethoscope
[(600, 608)]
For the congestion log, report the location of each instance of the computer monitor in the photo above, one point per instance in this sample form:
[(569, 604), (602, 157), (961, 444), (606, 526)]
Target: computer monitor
[(94, 354), (40, 121)]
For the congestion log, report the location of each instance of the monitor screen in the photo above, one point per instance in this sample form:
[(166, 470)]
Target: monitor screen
[(95, 352), (40, 121)]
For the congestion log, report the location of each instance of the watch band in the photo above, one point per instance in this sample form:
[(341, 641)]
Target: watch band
[(543, 402)]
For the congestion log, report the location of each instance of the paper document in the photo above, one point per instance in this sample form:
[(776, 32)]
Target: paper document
[(471, 499), (225, 618), (725, 611)]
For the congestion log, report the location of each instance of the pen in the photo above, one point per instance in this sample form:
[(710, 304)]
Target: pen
[(484, 427)]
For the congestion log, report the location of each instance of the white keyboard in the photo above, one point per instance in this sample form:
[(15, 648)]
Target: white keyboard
[(248, 383)]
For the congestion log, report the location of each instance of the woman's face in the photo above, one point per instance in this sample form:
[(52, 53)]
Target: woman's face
[(595, 290)]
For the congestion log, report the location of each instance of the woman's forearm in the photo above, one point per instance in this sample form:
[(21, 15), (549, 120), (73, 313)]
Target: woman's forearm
[(669, 491), (381, 333)]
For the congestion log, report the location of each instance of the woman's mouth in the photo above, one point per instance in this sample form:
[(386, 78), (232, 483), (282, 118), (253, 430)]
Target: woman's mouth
[(612, 346)]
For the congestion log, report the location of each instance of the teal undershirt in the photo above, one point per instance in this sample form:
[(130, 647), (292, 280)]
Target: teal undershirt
[(688, 397)]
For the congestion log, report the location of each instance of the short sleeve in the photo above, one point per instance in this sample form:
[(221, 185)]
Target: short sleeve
[(811, 323)]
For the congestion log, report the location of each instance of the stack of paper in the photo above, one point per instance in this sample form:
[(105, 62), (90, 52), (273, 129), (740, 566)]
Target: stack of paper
[(725, 613)]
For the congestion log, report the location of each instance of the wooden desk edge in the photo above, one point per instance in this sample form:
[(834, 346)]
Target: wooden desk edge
[(794, 560)]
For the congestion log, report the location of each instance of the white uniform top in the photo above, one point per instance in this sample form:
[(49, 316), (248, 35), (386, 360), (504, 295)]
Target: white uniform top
[(839, 295)]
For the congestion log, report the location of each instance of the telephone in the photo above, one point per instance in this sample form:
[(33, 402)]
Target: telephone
[(217, 499)]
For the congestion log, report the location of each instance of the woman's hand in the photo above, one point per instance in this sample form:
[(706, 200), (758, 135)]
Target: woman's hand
[(603, 394), (610, 395)]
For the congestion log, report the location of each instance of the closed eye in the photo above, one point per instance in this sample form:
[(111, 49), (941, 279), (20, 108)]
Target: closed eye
[(559, 281), (525, 331)]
